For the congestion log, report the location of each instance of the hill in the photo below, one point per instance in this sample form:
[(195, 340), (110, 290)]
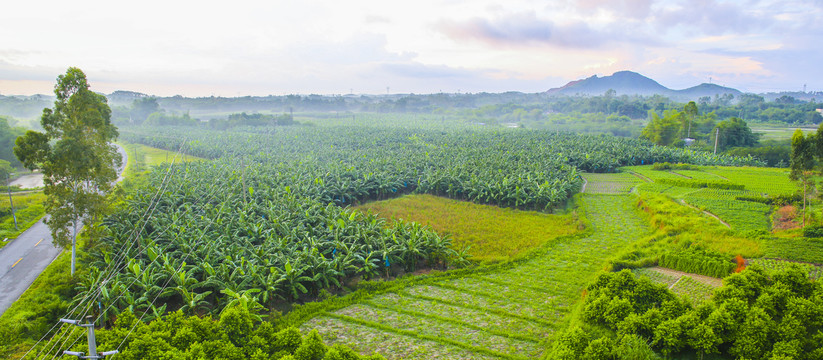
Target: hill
[(632, 83)]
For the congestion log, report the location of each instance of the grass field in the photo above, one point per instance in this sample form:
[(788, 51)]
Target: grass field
[(29, 208), (493, 233), (507, 314)]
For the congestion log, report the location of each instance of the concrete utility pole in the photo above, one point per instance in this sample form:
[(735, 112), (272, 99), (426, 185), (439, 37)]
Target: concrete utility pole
[(716, 136), (92, 341)]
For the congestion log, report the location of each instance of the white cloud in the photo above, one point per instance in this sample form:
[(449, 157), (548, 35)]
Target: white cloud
[(271, 47)]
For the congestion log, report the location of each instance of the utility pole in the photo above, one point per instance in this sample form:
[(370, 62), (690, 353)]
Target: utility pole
[(8, 187), (92, 341), (716, 136)]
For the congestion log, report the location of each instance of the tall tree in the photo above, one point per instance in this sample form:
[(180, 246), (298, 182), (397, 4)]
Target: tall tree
[(663, 130), (75, 154), (690, 111), (802, 161), (734, 132)]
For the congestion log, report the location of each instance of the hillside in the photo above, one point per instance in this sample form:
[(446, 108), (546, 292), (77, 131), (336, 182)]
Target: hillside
[(632, 83)]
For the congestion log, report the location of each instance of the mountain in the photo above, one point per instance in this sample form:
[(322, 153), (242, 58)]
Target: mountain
[(632, 83)]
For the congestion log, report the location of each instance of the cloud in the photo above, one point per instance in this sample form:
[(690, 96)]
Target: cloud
[(522, 29), (633, 9), (421, 71)]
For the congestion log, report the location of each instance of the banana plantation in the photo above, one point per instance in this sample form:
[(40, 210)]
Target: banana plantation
[(269, 217)]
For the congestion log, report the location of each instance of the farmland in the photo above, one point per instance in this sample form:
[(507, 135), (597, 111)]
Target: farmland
[(414, 242)]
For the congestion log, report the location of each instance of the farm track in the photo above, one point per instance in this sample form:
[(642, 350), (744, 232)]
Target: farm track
[(504, 315)]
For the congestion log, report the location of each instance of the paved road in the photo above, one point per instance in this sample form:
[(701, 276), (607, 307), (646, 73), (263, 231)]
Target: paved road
[(26, 257)]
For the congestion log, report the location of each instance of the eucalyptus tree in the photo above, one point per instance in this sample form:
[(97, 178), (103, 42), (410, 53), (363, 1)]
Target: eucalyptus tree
[(75, 154)]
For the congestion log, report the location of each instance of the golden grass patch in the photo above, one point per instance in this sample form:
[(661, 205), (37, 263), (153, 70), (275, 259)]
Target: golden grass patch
[(494, 233)]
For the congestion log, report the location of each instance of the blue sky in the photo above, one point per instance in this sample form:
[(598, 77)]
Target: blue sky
[(202, 48)]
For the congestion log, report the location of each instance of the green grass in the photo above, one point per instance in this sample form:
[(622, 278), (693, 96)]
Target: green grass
[(510, 313), (791, 245), (494, 233), (29, 208), (772, 265), (615, 183), (771, 181), (742, 216)]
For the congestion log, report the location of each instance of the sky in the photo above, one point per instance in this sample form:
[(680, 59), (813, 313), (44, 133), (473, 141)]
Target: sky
[(276, 47)]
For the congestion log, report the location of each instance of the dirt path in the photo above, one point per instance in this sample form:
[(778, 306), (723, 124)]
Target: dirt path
[(641, 177), (706, 212)]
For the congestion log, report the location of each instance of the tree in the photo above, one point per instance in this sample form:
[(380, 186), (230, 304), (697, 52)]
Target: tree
[(142, 108), (78, 162), (690, 110), (734, 132), (802, 162), (663, 130)]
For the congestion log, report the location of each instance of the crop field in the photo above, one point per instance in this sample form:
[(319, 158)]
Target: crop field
[(614, 183), (489, 233), (292, 215), (723, 203), (505, 314), (814, 271)]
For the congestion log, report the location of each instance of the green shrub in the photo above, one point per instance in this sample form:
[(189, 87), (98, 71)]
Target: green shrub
[(698, 184), (813, 231), (667, 166), (698, 261)]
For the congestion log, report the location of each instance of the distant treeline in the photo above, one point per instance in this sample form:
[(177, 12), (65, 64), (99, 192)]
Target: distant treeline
[(784, 109)]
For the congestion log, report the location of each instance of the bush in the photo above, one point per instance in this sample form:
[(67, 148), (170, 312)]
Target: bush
[(667, 166), (698, 261), (813, 231), (698, 184)]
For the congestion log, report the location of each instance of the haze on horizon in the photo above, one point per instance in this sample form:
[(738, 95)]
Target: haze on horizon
[(241, 48)]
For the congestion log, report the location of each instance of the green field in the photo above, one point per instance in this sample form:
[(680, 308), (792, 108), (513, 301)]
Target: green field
[(456, 243), (490, 233), (510, 313)]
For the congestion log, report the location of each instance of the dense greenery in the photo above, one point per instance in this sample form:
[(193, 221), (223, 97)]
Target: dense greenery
[(698, 261), (8, 134), (754, 315)]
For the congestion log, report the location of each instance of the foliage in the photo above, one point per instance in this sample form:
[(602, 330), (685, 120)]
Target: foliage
[(734, 132), (676, 228), (698, 261), (712, 184), (78, 163), (668, 166), (8, 134), (233, 336), (161, 118), (752, 315), (243, 119), (814, 231)]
